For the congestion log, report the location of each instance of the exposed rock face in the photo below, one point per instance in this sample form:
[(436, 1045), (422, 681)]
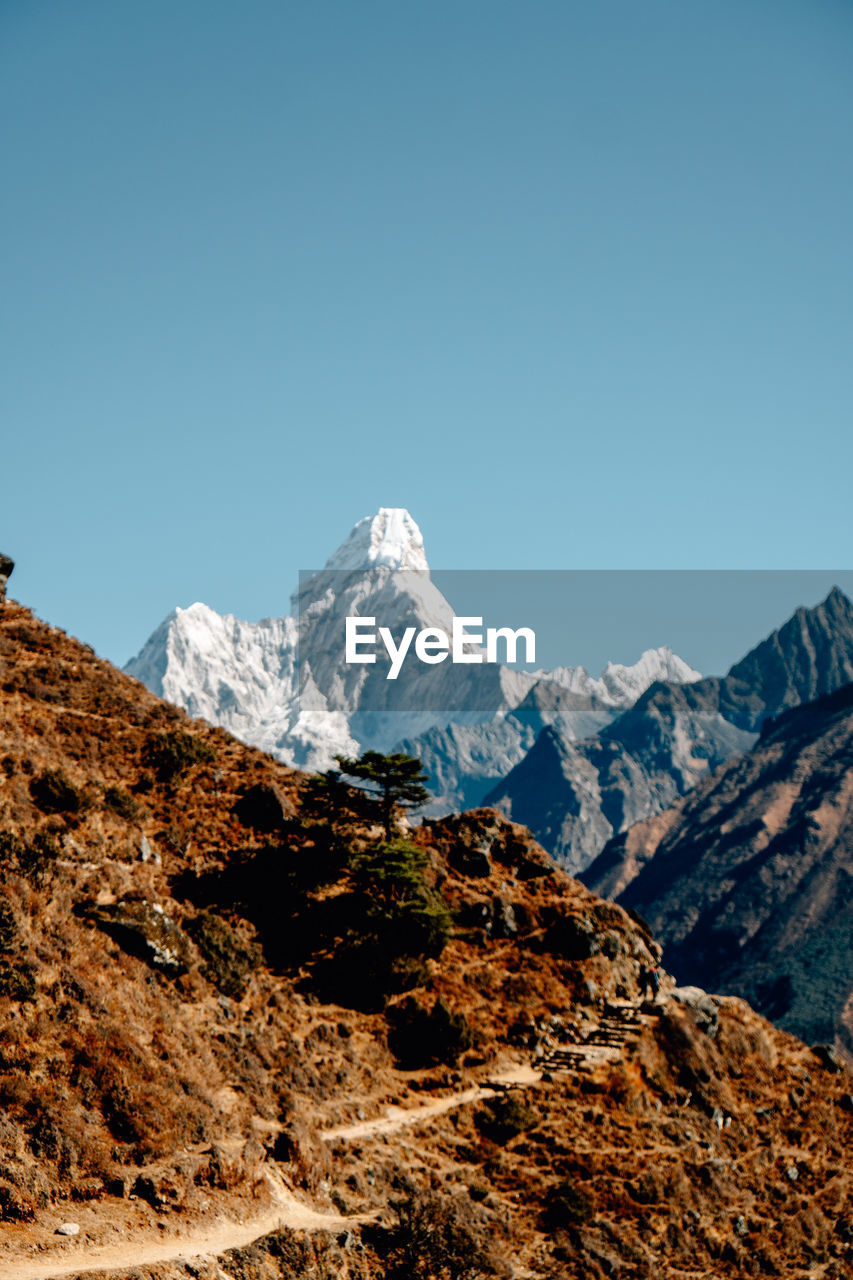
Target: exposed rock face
[(465, 761), (576, 796), (748, 880), (705, 1008), (577, 793), (7, 564)]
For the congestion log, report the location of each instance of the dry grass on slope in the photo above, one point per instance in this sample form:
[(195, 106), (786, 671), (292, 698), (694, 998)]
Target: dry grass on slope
[(166, 1031)]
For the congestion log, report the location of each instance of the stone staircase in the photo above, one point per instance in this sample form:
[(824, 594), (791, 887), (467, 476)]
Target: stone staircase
[(620, 1026)]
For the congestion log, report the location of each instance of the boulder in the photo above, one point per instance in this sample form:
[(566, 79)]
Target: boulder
[(704, 1007), (533, 866), (163, 1188), (223, 1169), (503, 923), (253, 1156), (298, 1145), (147, 852), (573, 938), (498, 918), (470, 860)]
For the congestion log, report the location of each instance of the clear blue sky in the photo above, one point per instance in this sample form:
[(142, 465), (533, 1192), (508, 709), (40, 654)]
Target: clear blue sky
[(571, 281)]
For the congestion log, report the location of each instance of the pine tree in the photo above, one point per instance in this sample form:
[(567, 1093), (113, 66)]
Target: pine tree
[(392, 779), (327, 798)]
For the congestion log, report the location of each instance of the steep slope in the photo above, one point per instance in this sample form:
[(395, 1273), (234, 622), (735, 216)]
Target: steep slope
[(283, 684), (749, 879), (672, 736), (177, 910)]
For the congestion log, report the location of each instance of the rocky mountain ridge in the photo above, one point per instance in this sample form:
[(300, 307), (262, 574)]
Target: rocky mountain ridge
[(747, 879), (671, 737)]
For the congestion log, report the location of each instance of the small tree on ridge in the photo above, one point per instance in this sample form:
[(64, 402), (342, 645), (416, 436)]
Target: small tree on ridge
[(391, 779)]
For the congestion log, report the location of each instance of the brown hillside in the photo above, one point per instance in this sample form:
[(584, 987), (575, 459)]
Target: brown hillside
[(213, 989)]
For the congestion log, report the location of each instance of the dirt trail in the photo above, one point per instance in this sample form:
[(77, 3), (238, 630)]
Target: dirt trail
[(71, 1258), (396, 1118)]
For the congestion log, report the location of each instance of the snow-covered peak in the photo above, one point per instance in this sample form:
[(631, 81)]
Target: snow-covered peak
[(389, 539), (628, 683), (621, 685)]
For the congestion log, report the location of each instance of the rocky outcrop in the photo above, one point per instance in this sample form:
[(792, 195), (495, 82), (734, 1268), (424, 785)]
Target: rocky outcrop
[(706, 1009), (7, 564), (145, 930)]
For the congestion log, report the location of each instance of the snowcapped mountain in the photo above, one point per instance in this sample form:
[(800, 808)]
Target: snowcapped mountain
[(242, 675), (282, 685), (248, 676), (390, 539), (619, 685)]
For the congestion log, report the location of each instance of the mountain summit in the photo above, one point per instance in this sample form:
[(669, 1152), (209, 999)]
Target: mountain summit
[(390, 539), (281, 684), (621, 685)]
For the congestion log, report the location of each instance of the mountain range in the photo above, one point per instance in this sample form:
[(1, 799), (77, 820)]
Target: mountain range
[(575, 795), (282, 685), (575, 758)]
